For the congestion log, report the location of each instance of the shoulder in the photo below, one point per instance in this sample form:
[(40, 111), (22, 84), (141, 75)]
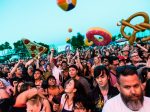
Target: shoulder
[(63, 97), (93, 66), (83, 79), (111, 103), (3, 93), (113, 100), (147, 99)]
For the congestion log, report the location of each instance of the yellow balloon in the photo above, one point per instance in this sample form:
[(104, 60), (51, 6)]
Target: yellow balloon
[(67, 39), (87, 43)]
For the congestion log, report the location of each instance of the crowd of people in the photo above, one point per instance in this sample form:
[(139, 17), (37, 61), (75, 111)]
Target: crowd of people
[(100, 79)]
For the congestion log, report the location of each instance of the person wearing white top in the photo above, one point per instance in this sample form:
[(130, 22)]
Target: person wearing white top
[(131, 98)]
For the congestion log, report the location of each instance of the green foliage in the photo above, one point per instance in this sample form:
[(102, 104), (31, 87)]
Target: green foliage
[(77, 41), (20, 48), (6, 45), (113, 38), (2, 47), (68, 41)]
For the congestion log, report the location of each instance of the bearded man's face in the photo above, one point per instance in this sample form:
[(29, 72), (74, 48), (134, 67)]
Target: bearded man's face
[(131, 91)]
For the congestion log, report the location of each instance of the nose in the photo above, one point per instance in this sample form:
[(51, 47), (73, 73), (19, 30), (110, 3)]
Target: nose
[(100, 79), (132, 90)]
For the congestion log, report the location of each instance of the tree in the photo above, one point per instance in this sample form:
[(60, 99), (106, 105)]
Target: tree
[(20, 48), (113, 38), (7, 46), (119, 36), (77, 41), (2, 47)]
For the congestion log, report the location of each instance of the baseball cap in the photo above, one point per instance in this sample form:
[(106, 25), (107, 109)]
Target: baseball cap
[(121, 58)]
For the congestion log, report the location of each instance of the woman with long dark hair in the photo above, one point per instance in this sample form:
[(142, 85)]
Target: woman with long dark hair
[(73, 90)]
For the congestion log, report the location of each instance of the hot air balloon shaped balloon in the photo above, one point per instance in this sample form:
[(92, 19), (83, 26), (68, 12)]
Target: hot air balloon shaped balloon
[(66, 5)]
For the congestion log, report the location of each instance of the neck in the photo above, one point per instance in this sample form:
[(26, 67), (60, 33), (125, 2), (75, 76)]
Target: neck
[(104, 88), (70, 96), (52, 86), (96, 64), (77, 77), (37, 80)]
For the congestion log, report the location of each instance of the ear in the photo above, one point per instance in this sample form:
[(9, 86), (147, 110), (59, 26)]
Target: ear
[(74, 90), (77, 71), (143, 86)]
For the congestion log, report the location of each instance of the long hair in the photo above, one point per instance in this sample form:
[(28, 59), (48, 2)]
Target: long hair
[(80, 94)]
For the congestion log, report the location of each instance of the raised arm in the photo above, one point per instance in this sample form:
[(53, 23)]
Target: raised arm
[(78, 60), (141, 47), (29, 63), (15, 67)]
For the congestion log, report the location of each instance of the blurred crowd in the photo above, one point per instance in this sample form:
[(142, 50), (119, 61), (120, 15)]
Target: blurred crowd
[(90, 80)]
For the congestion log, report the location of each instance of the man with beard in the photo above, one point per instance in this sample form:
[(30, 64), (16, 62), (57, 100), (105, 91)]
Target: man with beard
[(131, 97)]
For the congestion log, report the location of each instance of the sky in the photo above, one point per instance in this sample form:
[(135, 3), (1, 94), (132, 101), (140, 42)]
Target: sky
[(43, 20)]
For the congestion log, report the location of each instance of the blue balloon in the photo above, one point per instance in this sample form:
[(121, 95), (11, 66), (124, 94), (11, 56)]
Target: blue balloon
[(67, 48)]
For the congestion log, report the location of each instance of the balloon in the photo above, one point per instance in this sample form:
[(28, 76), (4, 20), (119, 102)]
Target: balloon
[(107, 37), (70, 30), (136, 28), (67, 39), (33, 48), (66, 5), (87, 43), (67, 48), (145, 39)]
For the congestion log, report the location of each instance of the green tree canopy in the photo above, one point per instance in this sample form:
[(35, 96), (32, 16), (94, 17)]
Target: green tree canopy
[(19, 47), (6, 45), (77, 41)]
